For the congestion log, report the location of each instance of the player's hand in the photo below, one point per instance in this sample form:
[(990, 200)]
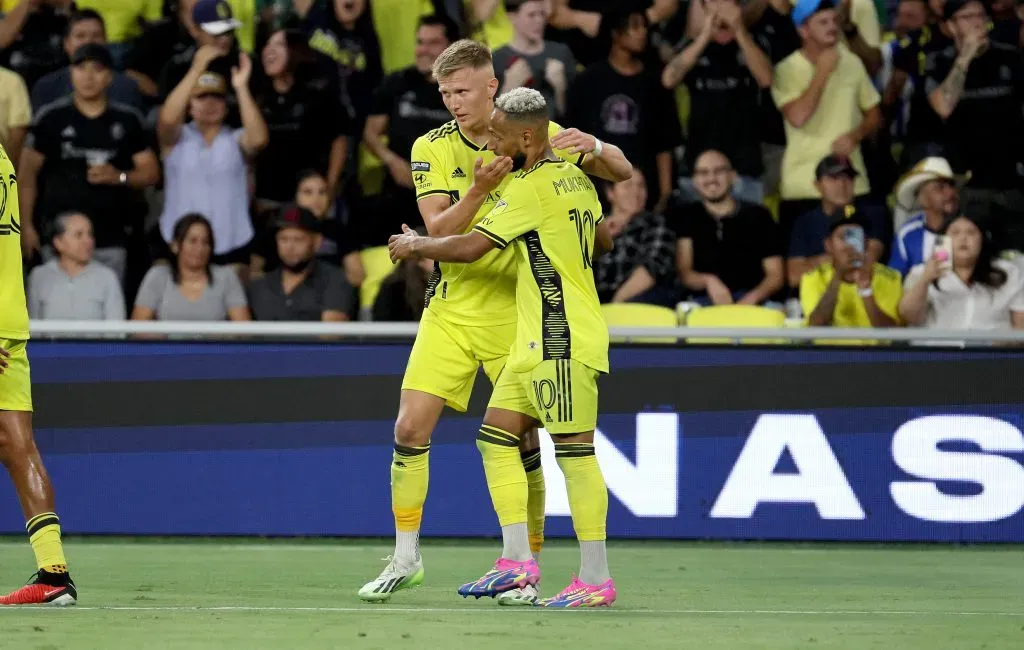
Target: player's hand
[(205, 55), (828, 61), (487, 178), (933, 267), (574, 140), (718, 292), (30, 242), (730, 15), (241, 73), (403, 247), (518, 74), (4, 355), (554, 74), (589, 23), (862, 276), (843, 13), (844, 145), (401, 171), (105, 174)]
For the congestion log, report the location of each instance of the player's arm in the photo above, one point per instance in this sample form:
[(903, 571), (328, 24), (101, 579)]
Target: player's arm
[(442, 217), (603, 240), (29, 166), (454, 248), (604, 161)]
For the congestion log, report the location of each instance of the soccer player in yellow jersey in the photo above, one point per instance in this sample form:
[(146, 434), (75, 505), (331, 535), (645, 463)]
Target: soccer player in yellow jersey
[(551, 213), (470, 316), (51, 584)]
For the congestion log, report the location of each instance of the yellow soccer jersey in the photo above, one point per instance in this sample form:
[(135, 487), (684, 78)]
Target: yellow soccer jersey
[(13, 309), (482, 293), (551, 212)]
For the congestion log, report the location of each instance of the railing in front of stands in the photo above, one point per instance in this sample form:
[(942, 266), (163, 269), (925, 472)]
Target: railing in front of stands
[(407, 331)]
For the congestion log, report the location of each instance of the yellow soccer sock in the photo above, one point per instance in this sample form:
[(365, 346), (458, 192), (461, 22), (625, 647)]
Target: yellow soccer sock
[(584, 483), (410, 475), (44, 535), (506, 478), (535, 503)]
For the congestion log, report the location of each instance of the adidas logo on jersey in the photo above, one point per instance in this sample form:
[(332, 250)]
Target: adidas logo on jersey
[(458, 173)]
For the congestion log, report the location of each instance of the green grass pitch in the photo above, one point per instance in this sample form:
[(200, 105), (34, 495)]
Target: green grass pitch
[(228, 594)]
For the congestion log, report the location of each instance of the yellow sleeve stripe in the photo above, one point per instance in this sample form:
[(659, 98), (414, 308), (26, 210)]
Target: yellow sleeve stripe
[(424, 194), (501, 243)]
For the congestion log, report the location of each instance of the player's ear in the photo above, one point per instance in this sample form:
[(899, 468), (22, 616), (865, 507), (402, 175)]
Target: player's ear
[(492, 88)]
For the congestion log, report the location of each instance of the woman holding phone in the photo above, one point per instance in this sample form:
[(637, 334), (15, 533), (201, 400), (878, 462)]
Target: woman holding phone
[(964, 285)]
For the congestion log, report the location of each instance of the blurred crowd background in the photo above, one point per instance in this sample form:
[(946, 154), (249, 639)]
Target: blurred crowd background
[(854, 163)]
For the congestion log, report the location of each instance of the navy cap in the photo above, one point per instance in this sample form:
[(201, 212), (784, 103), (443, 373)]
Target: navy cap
[(93, 52), (296, 217), (833, 165), (847, 216), (215, 17)]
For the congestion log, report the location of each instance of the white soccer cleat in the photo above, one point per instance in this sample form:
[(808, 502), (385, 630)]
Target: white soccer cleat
[(394, 577), (520, 597)]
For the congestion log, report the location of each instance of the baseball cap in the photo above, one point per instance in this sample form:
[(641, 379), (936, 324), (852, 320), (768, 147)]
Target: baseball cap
[(296, 217), (833, 165), (210, 83), (953, 6), (214, 17), (804, 9), (93, 52), (848, 216)]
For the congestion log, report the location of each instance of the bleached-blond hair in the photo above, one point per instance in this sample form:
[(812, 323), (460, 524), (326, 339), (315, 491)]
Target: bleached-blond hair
[(460, 55), (523, 105)]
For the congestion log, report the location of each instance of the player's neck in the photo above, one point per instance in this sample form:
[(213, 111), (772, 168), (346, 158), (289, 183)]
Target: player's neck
[(541, 154), (476, 133), (525, 45), (91, 107), (623, 61), (723, 208)]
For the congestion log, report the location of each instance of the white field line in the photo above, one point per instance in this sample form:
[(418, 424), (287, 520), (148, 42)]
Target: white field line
[(385, 609)]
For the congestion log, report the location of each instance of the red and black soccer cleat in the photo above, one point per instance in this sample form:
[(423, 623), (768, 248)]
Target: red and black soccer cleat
[(44, 589)]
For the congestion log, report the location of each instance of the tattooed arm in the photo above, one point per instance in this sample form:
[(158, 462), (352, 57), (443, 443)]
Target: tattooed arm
[(945, 98)]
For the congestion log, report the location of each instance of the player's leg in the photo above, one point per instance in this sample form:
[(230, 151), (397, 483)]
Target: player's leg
[(441, 370), (509, 416), (18, 453), (566, 397)]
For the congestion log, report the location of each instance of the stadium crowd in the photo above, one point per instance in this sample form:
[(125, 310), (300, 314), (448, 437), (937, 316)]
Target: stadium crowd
[(851, 163)]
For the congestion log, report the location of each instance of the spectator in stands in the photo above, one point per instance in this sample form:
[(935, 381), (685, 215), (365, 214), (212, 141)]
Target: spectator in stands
[(87, 154), (402, 294), (74, 286), (829, 104), (488, 22), (342, 32), (529, 60), (205, 160), (301, 288), (210, 23), (85, 27), (406, 106), (1007, 27), (579, 23), (622, 101), (191, 287), (847, 290), (30, 37), (724, 70), (337, 246), (932, 187), (15, 113), (728, 251), (307, 126), (862, 33), (171, 39), (975, 290), (835, 179), (639, 269), (124, 21), (977, 88), (912, 56)]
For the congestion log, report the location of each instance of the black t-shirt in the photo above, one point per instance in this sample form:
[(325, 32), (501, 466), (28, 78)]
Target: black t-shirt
[(324, 289), (413, 106), (351, 57), (985, 133), (915, 54), (723, 97), (635, 113), (38, 49), (70, 141), (732, 248), (1006, 30), (160, 43), (589, 50), (777, 36), (337, 243), (303, 124)]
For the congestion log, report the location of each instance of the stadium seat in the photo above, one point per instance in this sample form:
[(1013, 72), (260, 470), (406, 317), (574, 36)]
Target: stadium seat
[(736, 316), (631, 314), (378, 266)]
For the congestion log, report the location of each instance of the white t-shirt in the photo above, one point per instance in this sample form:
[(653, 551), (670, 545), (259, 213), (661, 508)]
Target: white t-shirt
[(955, 306)]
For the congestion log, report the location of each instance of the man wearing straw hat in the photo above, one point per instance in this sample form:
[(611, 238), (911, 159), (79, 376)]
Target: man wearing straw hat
[(931, 187)]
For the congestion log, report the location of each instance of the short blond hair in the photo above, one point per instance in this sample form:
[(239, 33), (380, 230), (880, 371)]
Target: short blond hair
[(460, 55)]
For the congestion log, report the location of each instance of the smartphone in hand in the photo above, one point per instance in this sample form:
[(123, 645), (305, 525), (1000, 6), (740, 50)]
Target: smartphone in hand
[(943, 252), (854, 238)]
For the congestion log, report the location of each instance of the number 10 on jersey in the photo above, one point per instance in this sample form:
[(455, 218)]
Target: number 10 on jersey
[(585, 231)]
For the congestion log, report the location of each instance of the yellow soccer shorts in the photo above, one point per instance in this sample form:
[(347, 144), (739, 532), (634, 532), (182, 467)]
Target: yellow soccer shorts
[(16, 380), (560, 394), (446, 357)]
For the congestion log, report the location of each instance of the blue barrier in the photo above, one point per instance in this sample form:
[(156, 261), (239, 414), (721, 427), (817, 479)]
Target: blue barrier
[(912, 471)]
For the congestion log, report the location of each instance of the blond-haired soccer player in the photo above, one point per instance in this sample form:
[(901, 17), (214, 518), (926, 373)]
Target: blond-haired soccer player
[(551, 213), (470, 315), (51, 585)]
